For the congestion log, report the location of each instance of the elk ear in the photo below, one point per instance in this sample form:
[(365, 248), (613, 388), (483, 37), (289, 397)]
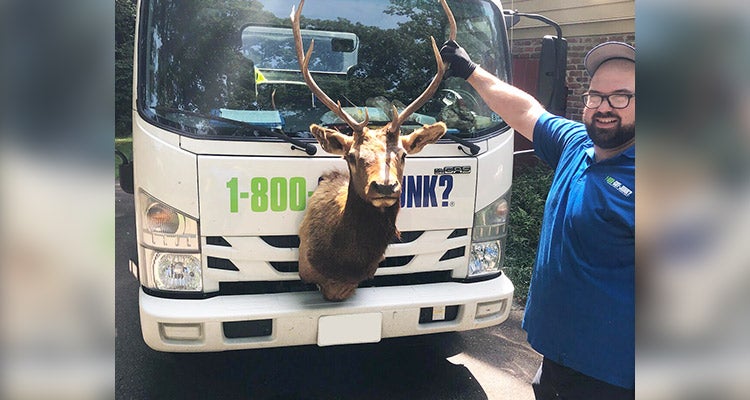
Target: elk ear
[(417, 140), (332, 141)]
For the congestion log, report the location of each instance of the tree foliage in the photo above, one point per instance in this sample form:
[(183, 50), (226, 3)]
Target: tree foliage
[(531, 184), (196, 61), (206, 70), (124, 36)]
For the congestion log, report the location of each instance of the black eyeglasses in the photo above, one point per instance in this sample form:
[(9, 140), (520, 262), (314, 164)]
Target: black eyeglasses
[(617, 100)]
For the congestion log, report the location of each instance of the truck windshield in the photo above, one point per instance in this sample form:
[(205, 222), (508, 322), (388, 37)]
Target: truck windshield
[(202, 62)]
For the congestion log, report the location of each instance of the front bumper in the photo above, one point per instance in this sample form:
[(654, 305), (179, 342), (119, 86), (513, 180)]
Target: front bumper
[(187, 325)]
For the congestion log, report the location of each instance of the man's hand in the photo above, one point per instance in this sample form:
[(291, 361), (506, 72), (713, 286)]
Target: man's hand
[(460, 63)]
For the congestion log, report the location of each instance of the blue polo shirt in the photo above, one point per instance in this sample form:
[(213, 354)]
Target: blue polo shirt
[(581, 306)]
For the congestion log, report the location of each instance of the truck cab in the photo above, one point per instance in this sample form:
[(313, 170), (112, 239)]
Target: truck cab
[(224, 165)]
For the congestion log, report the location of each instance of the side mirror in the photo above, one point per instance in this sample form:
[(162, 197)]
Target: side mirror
[(551, 90), (511, 19), (126, 173)]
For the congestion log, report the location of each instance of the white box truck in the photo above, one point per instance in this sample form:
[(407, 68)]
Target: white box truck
[(224, 164)]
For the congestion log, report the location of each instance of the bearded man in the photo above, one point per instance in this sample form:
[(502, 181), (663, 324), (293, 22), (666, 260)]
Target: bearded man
[(580, 313)]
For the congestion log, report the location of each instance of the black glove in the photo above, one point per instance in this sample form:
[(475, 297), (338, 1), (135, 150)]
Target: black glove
[(460, 63)]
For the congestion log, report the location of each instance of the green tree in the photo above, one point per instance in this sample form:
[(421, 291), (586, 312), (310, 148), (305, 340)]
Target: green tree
[(531, 183), (206, 69), (124, 36), (397, 63), (199, 64)]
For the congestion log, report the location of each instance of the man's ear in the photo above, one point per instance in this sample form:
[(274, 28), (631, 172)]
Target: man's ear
[(332, 141), (417, 140)]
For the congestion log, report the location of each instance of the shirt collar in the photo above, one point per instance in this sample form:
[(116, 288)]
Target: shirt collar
[(590, 153), (628, 153)]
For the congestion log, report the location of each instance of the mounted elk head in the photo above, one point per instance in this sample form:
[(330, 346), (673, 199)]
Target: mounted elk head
[(351, 220), (375, 156)]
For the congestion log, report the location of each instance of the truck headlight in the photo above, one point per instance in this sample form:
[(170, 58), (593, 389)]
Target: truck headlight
[(485, 258), (165, 227), (488, 238), (161, 219), (169, 247), (177, 271)]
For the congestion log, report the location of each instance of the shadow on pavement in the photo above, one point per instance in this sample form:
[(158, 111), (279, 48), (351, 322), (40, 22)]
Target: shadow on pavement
[(352, 372)]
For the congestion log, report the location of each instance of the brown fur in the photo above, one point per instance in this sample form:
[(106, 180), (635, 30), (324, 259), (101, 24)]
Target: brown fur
[(337, 252), (349, 223)]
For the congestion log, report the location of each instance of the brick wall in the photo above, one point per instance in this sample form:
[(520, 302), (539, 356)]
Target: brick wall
[(525, 55)]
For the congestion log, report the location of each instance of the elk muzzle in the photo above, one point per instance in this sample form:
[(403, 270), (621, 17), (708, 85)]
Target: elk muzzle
[(384, 193), (386, 189)]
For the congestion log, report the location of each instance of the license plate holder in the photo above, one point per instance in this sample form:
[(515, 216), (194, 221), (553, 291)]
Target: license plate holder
[(349, 329)]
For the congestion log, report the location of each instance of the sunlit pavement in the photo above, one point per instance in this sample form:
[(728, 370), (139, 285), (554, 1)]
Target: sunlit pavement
[(500, 359)]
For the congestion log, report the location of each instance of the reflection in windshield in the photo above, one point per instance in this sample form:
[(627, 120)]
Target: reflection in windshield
[(272, 49), (234, 60)]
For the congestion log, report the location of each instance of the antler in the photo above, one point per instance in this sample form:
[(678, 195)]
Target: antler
[(304, 60), (430, 91)]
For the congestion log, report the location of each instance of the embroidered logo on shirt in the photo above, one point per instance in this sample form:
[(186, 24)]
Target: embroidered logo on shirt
[(619, 186)]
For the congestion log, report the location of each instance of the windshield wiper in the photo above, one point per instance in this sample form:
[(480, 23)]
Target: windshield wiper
[(297, 144), (473, 148)]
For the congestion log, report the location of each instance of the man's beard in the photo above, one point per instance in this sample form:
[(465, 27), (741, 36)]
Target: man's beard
[(609, 138)]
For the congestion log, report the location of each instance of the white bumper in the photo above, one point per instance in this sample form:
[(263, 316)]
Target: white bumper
[(197, 325)]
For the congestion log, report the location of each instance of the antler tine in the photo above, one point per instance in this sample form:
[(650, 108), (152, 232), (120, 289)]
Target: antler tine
[(426, 95), (451, 20), (304, 60), (430, 91)]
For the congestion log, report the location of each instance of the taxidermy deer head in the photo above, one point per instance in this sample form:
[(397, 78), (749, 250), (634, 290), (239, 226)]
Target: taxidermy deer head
[(375, 156)]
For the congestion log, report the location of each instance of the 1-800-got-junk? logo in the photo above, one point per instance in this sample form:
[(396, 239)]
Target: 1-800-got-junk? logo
[(279, 194), (626, 191)]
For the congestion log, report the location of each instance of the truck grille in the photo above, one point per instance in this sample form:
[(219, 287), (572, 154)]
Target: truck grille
[(238, 288), (268, 264), (292, 241), (293, 266)]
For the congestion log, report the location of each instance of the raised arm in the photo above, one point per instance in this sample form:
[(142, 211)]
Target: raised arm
[(518, 108)]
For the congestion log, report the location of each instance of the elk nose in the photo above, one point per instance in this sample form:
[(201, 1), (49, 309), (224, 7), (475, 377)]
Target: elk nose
[(386, 189)]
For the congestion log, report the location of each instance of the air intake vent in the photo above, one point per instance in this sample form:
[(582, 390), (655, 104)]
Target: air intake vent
[(248, 329), (264, 287), (395, 261), (217, 241), (419, 278), (458, 252), (232, 288), (437, 314), (221, 263), (389, 262), (282, 241), (285, 266), (292, 241), (458, 233), (408, 237)]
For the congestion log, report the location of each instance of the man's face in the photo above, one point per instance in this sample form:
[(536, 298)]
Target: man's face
[(610, 127)]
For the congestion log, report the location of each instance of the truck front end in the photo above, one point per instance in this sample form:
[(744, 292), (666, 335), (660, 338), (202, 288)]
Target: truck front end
[(224, 165)]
